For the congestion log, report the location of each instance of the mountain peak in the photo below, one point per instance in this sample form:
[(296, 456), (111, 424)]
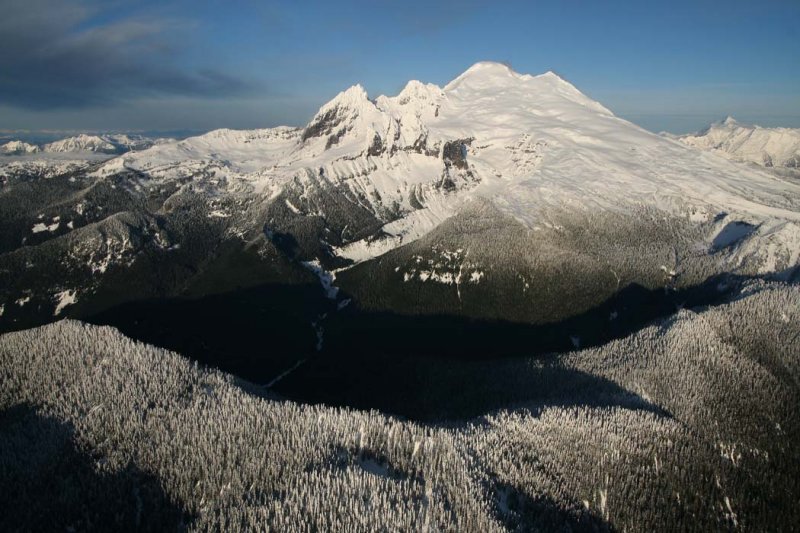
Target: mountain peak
[(417, 91), (494, 68), (551, 75), (485, 72), (81, 142), (491, 80), (343, 114), (351, 97), (490, 66)]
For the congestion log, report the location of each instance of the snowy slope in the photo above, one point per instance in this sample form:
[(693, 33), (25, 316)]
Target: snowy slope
[(770, 147), (48, 164), (528, 144), (226, 153)]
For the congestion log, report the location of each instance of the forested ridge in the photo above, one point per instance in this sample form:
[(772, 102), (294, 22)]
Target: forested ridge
[(699, 433)]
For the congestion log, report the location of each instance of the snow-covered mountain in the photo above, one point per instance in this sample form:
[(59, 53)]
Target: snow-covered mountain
[(104, 144), (527, 144), (127, 142), (18, 148), (111, 144), (499, 195), (769, 147), (69, 154), (81, 143)]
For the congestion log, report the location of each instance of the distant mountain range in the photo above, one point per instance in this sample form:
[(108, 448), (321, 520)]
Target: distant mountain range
[(19, 148), (111, 144), (768, 147)]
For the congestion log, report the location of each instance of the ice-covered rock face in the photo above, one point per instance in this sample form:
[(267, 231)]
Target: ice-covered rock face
[(416, 106), (419, 95), (350, 122), (339, 113), (417, 99)]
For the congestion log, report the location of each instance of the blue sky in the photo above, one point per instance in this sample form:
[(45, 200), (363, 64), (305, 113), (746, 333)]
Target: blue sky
[(147, 65)]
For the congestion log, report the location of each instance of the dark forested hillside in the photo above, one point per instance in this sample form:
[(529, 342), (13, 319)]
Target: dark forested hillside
[(689, 424)]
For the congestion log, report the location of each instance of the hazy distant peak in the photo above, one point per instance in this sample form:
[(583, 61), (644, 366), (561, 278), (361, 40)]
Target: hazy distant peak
[(18, 148), (730, 121), (769, 147)]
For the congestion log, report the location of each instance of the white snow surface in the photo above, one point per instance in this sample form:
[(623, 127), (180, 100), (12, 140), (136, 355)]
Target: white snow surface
[(63, 299), (770, 147), (326, 278), (532, 143), (40, 227)]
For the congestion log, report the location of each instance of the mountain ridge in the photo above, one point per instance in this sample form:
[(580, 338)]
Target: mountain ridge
[(464, 194), (528, 141), (110, 144), (767, 147)]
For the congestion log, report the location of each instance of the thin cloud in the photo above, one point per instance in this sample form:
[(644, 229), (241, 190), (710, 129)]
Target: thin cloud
[(56, 56)]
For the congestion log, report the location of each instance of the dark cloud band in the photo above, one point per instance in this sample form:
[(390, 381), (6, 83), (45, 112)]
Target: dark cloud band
[(56, 54)]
